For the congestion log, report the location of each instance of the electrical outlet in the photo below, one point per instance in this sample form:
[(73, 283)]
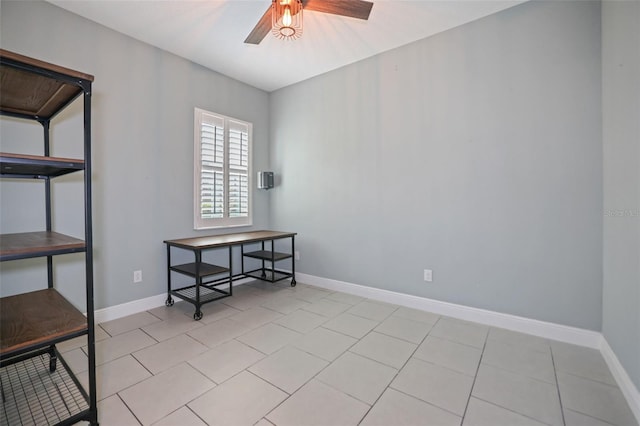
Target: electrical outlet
[(428, 275), (137, 276), (296, 255)]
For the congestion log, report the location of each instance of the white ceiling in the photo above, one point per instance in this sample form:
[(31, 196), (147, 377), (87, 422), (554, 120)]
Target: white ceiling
[(212, 32)]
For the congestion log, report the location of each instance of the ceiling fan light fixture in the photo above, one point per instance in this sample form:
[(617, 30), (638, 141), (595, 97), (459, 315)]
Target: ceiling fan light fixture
[(286, 18)]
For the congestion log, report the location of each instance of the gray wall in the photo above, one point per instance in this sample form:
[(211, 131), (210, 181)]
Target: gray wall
[(476, 153), (621, 141), (143, 152)]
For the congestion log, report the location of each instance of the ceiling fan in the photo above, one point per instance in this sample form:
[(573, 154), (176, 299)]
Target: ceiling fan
[(359, 9)]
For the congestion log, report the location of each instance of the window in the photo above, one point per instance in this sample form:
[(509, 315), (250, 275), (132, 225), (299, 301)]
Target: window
[(222, 172)]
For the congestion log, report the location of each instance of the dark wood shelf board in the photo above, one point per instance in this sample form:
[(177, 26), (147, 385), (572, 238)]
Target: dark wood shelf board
[(45, 66), (206, 269), (268, 255), (36, 244), (36, 319), (19, 165), (36, 95)]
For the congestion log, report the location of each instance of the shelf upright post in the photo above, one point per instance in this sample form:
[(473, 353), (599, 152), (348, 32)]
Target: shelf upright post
[(93, 402), (47, 196), (46, 126)]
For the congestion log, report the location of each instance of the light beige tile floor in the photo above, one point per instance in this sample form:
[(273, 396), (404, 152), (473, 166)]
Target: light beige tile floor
[(276, 355)]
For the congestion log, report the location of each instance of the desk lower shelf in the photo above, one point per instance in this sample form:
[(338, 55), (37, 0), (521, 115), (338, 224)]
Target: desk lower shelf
[(268, 255), (206, 269), (269, 275), (203, 291), (208, 293)]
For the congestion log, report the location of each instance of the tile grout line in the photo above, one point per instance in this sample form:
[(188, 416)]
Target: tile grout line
[(348, 350), (186, 362), (555, 374), (590, 380), (555, 371), (425, 402), (329, 363), (513, 372), (127, 407), (512, 411), (475, 377), (266, 356), (397, 373)]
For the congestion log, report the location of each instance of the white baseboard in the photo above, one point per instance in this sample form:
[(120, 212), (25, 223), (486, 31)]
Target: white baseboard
[(544, 329), (140, 305), (625, 384), (129, 308)]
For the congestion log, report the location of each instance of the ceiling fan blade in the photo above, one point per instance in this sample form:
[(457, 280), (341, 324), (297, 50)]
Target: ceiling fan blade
[(261, 29), (359, 9)]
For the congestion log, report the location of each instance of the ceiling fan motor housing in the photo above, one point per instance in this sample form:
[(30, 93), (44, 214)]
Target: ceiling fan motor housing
[(286, 16)]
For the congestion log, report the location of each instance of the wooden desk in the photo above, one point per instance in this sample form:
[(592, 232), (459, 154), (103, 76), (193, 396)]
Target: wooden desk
[(209, 277)]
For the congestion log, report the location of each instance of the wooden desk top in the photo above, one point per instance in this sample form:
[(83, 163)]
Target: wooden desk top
[(223, 240)]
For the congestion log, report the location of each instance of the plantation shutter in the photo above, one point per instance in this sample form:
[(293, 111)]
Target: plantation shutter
[(212, 167), (222, 171), (238, 169)]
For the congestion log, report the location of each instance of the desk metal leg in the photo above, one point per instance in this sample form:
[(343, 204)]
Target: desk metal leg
[(198, 314), (293, 261), (242, 258), (264, 274), (169, 301), (273, 261), (230, 271)]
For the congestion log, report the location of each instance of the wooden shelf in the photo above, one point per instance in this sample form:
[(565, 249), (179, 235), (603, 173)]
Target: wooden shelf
[(35, 94), (35, 166), (37, 244), (206, 269), (36, 319), (268, 255)]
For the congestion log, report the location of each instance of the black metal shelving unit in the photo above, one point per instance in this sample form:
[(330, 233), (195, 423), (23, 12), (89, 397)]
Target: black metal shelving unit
[(38, 387)]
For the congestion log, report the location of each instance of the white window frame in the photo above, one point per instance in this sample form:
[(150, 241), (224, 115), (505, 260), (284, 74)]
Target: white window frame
[(226, 220)]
